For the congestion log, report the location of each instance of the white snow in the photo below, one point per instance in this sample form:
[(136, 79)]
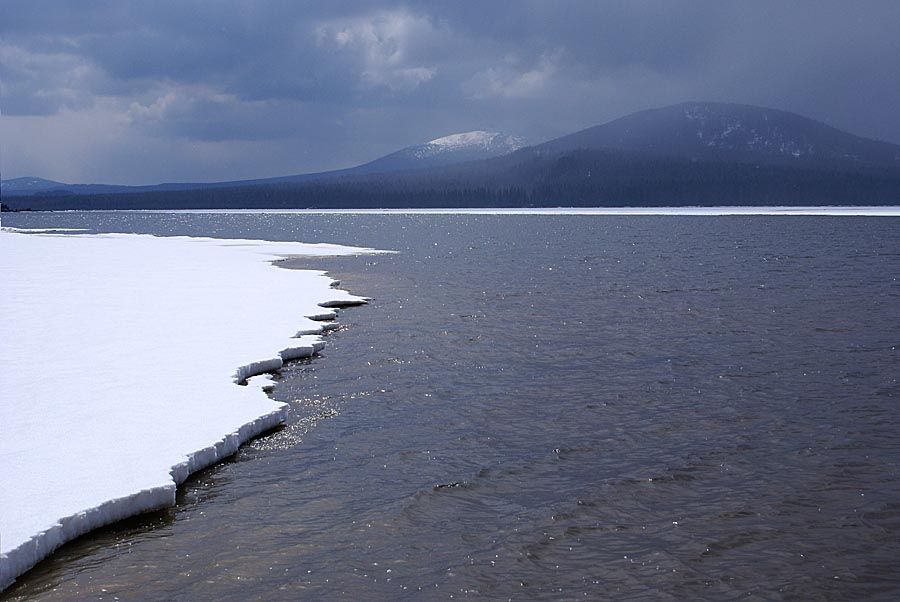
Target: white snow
[(477, 138), (120, 356), (478, 142)]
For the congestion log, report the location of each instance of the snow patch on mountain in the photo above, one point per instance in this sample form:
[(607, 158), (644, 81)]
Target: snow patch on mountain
[(447, 150), (718, 129), (478, 138), (493, 143)]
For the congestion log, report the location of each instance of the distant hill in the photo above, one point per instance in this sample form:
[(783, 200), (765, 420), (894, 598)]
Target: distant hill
[(448, 150), (18, 186), (732, 132), (690, 154), (31, 186)]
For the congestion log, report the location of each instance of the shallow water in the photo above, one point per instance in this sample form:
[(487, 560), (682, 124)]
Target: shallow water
[(550, 407)]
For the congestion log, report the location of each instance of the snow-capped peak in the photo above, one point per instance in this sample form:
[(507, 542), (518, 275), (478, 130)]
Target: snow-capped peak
[(475, 138), (447, 150), (479, 141)]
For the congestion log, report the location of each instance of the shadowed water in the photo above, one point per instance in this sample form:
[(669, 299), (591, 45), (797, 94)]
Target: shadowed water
[(550, 407)]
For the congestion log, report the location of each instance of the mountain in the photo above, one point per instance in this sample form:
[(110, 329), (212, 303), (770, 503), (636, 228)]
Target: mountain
[(690, 154), (30, 185), (448, 150), (732, 132)]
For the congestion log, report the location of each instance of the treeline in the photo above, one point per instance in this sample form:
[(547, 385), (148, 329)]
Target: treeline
[(528, 179)]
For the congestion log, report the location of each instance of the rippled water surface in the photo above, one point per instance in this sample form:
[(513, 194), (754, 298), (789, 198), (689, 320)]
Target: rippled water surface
[(550, 408)]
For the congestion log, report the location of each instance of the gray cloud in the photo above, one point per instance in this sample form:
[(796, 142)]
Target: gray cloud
[(324, 85)]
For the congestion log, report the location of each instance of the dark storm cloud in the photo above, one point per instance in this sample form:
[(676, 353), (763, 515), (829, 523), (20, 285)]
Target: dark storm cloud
[(355, 79)]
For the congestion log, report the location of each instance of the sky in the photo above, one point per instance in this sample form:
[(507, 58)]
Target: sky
[(142, 92)]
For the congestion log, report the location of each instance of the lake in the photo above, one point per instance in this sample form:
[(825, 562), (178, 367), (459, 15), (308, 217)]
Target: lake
[(548, 407)]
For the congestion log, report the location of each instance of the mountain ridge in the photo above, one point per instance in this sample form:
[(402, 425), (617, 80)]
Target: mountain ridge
[(447, 150), (728, 131), (690, 153)]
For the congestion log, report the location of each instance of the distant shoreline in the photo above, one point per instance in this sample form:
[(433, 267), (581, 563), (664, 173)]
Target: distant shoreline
[(724, 210)]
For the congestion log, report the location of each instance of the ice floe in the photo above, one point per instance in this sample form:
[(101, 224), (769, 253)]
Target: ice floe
[(122, 357)]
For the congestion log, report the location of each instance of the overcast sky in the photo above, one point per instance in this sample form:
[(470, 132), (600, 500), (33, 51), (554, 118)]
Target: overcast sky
[(146, 91)]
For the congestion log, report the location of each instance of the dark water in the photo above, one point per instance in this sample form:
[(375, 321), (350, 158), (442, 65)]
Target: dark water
[(551, 408)]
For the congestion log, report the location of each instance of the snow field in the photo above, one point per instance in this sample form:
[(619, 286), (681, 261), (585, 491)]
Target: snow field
[(122, 357)]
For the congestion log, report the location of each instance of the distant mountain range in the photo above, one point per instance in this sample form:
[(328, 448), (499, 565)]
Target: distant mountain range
[(449, 150), (697, 153), (719, 132)]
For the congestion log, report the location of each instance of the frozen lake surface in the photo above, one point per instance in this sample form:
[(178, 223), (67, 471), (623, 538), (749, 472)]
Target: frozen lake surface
[(548, 407), (148, 339)]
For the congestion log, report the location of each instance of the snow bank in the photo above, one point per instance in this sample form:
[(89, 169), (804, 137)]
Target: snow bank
[(120, 356)]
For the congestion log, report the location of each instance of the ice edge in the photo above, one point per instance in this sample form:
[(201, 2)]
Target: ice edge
[(18, 561)]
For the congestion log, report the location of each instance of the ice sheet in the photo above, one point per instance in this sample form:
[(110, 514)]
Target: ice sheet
[(120, 356)]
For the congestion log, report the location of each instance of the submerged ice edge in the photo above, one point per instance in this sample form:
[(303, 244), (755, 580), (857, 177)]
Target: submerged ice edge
[(40, 546), (306, 343)]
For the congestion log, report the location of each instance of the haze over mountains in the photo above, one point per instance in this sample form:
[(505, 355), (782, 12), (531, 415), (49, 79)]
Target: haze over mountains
[(695, 153), (448, 150), (717, 131)]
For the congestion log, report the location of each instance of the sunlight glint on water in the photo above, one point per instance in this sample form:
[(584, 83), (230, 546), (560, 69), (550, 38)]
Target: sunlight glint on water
[(551, 407)]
